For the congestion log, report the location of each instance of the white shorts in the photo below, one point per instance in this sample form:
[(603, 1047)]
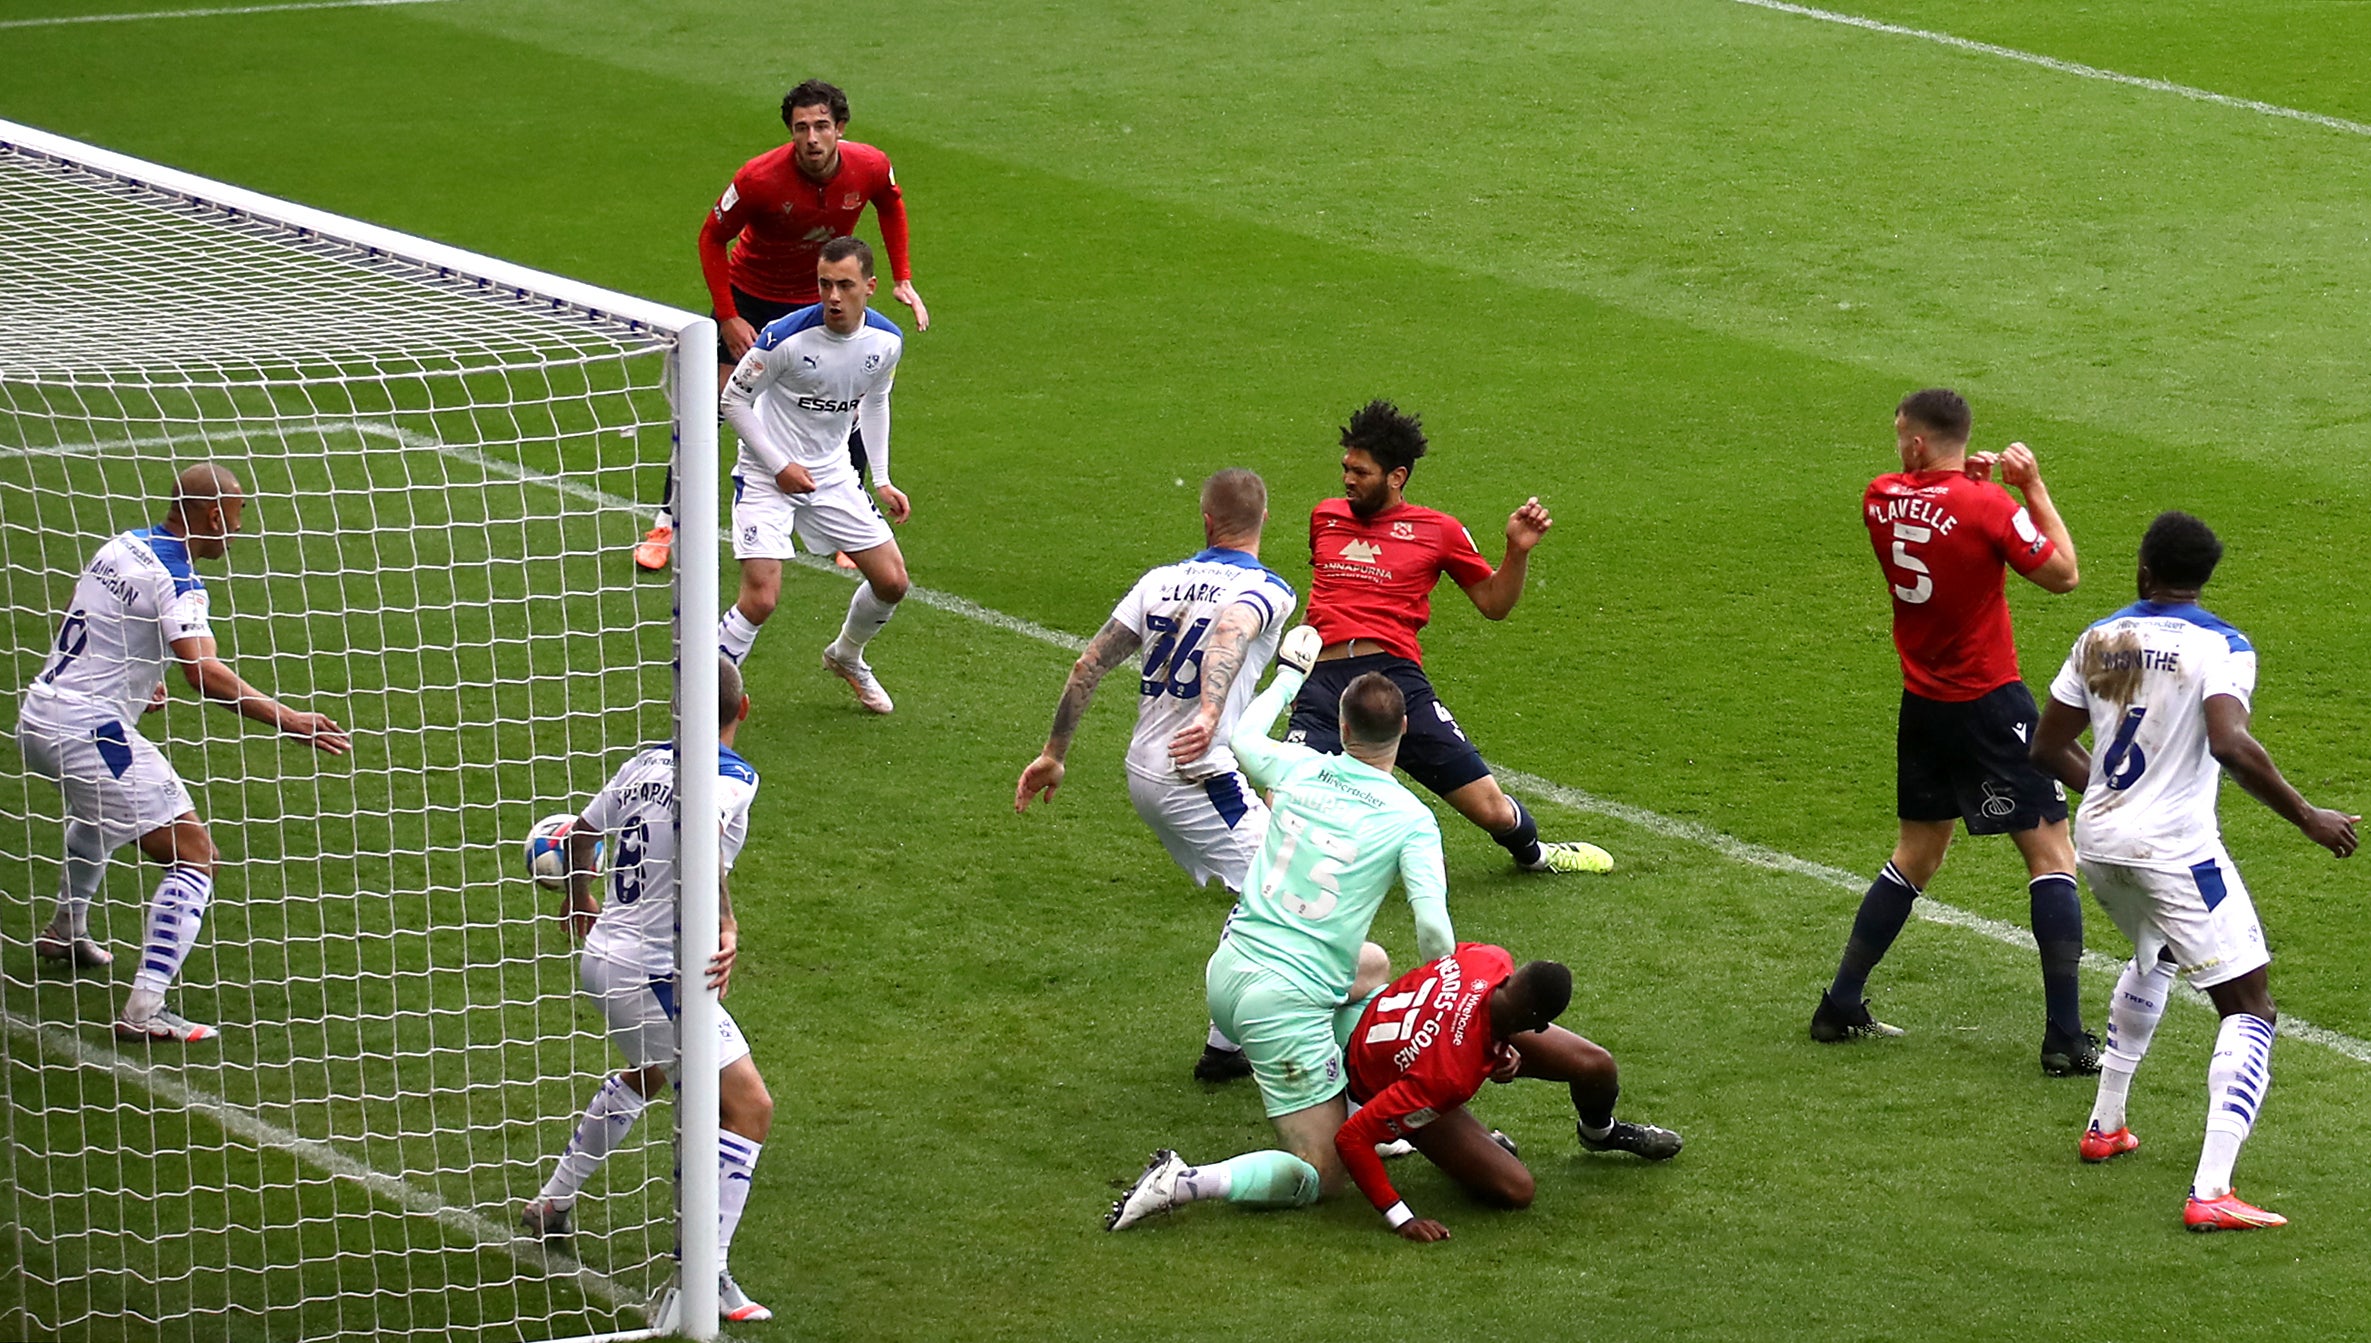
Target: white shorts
[(768, 524), (640, 1008), (1211, 827), (112, 777), (2203, 916)]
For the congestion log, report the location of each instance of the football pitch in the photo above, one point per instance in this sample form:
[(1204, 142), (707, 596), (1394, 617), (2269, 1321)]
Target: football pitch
[(1666, 266)]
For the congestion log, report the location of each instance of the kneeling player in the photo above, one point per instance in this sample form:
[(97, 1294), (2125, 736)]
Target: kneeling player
[(628, 968), (1425, 1045)]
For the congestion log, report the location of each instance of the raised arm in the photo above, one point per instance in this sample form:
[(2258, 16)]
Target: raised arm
[(1262, 758), (2236, 749), (2057, 573), (1112, 645), (1495, 596), (214, 679), (1222, 661)]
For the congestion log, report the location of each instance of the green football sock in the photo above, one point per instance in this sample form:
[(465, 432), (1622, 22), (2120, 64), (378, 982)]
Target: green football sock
[(1270, 1179)]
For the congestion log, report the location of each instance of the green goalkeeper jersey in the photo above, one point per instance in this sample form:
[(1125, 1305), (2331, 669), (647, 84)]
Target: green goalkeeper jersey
[(1339, 833)]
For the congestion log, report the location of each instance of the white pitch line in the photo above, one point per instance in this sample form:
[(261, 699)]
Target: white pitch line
[(2076, 68), (1654, 822), (60, 20), (68, 1048)]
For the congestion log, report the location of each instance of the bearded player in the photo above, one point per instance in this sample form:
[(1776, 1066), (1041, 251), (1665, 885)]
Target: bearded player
[(793, 398), (759, 246), (1426, 1044), (2165, 687), (1293, 967), (628, 970), (1375, 558), (138, 604), (1208, 625), (1945, 537)]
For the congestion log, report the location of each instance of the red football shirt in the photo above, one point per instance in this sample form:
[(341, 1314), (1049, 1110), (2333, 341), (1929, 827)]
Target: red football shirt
[(1942, 540), (1420, 1050), (1373, 577), (777, 220)]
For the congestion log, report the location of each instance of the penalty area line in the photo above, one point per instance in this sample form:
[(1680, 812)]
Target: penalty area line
[(61, 20), (66, 1047), (2076, 68)]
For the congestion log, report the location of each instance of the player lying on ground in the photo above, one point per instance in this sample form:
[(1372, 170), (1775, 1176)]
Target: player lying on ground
[(1293, 967), (1427, 1043), (792, 400), (759, 246), (2166, 686), (138, 602), (1208, 625), (1374, 560), (628, 970), (1945, 535)]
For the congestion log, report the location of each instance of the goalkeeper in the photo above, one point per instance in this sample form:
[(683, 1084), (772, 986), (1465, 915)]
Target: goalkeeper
[(1293, 968)]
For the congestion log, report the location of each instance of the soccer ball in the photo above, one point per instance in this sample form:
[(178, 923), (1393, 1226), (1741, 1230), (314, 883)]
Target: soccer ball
[(547, 851)]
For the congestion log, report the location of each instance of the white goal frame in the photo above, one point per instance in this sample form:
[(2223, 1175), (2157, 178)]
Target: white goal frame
[(693, 395)]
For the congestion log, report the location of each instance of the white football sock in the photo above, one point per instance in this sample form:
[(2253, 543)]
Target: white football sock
[(735, 634), (2133, 1014), (79, 879), (736, 1165), (665, 518), (866, 615), (606, 1123), (1220, 1042), (1196, 1183), (175, 914), (2236, 1081)]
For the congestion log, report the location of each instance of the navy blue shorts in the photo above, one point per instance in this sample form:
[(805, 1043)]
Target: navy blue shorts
[(1435, 752), (1968, 761)]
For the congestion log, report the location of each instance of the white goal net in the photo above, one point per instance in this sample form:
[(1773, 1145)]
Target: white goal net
[(440, 455)]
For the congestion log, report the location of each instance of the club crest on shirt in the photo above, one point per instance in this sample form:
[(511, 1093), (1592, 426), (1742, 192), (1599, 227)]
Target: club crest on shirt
[(871, 362), (1361, 552), (853, 200), (1403, 531)]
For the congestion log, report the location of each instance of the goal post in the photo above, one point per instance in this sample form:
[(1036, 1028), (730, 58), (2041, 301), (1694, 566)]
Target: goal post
[(443, 457)]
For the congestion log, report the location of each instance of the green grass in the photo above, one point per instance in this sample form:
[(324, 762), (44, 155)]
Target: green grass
[(1666, 266)]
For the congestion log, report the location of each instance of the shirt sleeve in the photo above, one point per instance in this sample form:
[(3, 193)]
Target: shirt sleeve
[(2019, 541), (751, 376), (717, 232), (1130, 611), (2233, 674), (1267, 595), (600, 814), (735, 832), (1265, 760), (1460, 559), (2068, 687), (1426, 880), (873, 416), (181, 611), (1395, 1112), (889, 209)]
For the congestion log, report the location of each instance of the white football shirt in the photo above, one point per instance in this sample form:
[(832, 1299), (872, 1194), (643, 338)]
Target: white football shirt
[(134, 599), (2144, 675), (636, 809), (797, 393), (1173, 609)]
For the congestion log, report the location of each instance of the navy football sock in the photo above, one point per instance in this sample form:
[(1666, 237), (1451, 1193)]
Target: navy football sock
[(1523, 839), (2058, 928), (1883, 912)]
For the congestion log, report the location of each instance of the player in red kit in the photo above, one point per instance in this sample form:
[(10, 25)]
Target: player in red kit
[(1945, 534), (1425, 1045), (1375, 558), (760, 245)]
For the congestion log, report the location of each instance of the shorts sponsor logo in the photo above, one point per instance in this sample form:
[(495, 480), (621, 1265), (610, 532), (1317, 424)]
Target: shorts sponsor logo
[(1999, 801), (1299, 736)]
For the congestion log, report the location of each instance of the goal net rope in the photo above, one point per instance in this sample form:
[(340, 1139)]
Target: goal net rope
[(440, 456)]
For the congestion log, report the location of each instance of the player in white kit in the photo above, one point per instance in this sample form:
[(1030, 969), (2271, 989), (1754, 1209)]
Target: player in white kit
[(1208, 625), (2165, 688), (793, 400), (628, 969), (138, 603)]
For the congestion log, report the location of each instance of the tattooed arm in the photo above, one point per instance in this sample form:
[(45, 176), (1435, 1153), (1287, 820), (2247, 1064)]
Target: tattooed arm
[(1222, 662), (1114, 644)]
